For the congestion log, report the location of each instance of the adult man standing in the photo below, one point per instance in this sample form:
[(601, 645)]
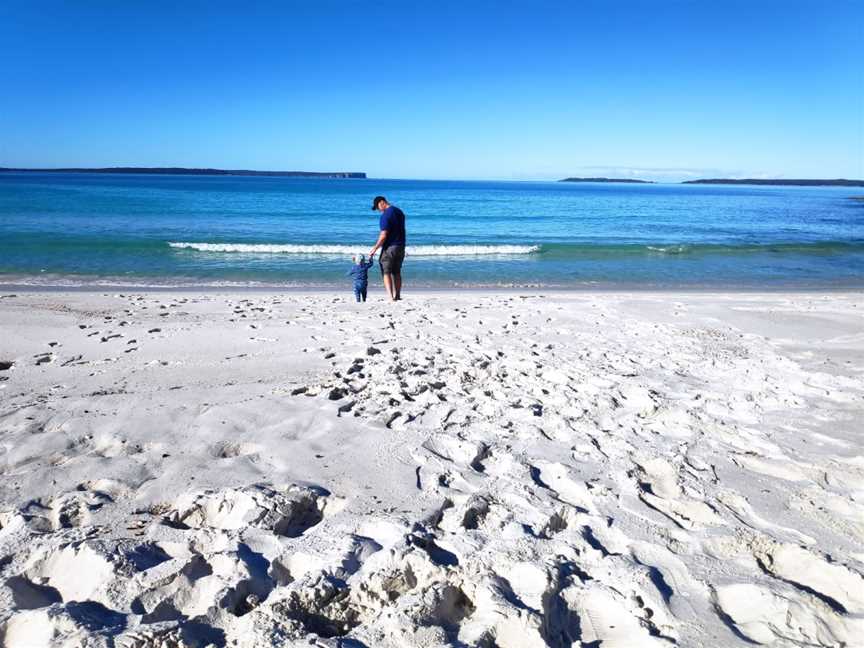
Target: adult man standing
[(391, 240)]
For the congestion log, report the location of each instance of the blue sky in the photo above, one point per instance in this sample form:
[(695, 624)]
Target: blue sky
[(508, 90)]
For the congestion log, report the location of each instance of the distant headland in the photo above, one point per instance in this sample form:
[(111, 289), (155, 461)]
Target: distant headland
[(631, 180), (780, 181), (184, 171), (840, 182)]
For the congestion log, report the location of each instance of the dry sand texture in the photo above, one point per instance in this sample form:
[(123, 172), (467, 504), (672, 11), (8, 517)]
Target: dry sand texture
[(568, 469)]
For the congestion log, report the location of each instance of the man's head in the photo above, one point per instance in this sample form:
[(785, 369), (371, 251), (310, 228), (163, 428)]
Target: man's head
[(379, 203)]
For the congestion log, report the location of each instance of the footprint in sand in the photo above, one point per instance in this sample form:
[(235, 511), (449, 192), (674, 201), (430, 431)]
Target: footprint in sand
[(685, 597), (459, 451), (66, 511), (745, 513), (765, 617), (461, 512), (606, 619), (659, 489), (27, 595), (231, 450), (839, 587), (288, 512), (556, 477)]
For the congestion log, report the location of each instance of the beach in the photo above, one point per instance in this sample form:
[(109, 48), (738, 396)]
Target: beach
[(482, 468)]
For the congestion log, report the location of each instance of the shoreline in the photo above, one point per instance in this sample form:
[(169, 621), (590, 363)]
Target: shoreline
[(376, 288)]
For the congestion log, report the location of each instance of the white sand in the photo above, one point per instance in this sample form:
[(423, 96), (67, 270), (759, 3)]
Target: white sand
[(481, 469)]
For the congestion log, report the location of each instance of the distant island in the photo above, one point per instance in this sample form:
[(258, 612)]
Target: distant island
[(184, 171), (631, 180), (796, 183)]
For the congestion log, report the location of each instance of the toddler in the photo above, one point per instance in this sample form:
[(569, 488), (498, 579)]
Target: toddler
[(360, 272)]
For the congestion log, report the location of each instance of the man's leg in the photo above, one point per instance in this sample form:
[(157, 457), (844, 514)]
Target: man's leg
[(388, 285), (397, 273)]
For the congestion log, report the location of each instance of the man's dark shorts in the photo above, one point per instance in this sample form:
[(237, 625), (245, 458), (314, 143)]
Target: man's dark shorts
[(391, 259)]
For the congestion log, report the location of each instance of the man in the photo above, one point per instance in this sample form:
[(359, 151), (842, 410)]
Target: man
[(391, 240)]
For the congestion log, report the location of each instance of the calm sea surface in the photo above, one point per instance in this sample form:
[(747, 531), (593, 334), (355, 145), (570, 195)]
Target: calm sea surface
[(83, 229)]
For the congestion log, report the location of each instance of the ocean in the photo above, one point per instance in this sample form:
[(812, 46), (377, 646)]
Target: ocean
[(145, 230)]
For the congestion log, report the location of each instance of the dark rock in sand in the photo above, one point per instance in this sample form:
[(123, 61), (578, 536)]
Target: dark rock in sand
[(336, 393)]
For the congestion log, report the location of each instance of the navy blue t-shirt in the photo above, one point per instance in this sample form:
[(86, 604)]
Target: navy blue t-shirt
[(393, 220)]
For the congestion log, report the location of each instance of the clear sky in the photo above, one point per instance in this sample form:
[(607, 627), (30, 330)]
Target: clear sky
[(510, 90)]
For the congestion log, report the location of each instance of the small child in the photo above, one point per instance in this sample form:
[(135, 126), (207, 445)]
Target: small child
[(360, 272)]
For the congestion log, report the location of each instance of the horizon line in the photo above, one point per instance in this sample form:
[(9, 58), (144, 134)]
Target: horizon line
[(358, 175)]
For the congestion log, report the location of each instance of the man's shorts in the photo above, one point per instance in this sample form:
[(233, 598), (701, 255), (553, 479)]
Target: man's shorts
[(391, 259)]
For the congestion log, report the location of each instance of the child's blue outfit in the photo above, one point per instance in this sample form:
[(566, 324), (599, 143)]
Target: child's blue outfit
[(360, 272)]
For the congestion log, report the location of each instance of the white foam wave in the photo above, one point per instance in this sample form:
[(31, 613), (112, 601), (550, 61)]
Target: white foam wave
[(412, 250), (669, 249)]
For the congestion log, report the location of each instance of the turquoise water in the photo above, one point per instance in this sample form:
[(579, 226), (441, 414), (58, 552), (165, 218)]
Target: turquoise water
[(83, 229)]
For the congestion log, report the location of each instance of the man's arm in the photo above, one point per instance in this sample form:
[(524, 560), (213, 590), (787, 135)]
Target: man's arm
[(381, 238)]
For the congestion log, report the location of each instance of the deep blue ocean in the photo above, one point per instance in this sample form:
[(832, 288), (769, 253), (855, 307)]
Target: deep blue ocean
[(86, 229)]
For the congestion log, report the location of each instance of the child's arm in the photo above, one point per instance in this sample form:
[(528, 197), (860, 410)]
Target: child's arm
[(370, 262)]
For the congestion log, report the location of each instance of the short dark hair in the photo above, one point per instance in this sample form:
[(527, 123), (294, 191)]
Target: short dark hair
[(376, 200)]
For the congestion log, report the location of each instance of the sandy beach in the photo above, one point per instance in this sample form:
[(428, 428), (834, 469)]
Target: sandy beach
[(510, 469)]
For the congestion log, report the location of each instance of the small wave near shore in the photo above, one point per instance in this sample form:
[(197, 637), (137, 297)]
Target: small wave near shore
[(416, 250)]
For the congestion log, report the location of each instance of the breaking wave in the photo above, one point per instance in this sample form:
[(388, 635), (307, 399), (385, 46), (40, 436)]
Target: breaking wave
[(413, 250)]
